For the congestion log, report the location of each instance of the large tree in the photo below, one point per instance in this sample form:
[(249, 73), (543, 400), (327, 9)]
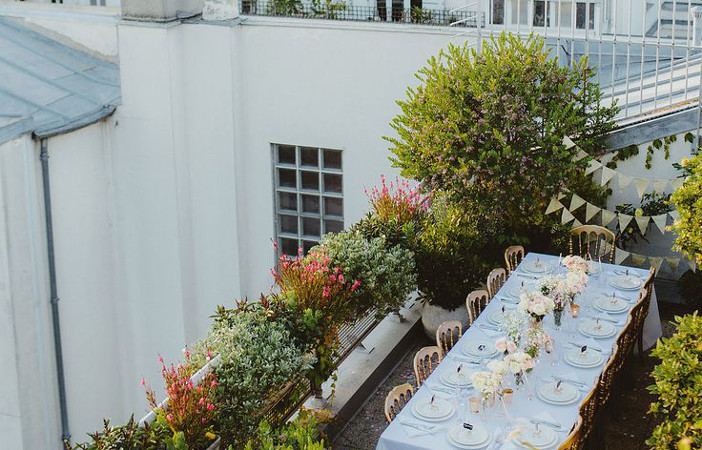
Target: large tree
[(486, 127)]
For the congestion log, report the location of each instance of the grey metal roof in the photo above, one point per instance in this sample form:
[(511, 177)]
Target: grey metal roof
[(49, 88)]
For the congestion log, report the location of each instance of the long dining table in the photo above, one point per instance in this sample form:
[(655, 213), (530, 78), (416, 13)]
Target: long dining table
[(410, 431)]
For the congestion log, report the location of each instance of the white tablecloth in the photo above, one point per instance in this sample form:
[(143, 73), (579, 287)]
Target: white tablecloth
[(400, 437)]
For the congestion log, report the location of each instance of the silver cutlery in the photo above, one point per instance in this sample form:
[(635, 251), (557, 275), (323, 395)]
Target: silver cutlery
[(527, 276), (575, 344), (606, 319), (574, 382), (418, 426), (550, 424)]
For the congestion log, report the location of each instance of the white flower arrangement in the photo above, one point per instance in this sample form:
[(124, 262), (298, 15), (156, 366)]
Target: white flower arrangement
[(513, 322), (505, 345), (536, 339), (575, 263), (487, 383), (519, 362), (563, 288), (535, 304), (498, 368)]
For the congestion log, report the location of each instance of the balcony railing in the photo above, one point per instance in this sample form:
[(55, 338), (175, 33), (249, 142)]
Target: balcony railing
[(346, 12)]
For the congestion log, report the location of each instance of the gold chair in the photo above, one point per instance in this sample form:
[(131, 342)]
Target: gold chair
[(495, 281), (609, 375), (476, 303), (447, 335), (571, 441), (513, 256), (396, 400), (424, 363), (625, 342), (593, 240), (588, 410)]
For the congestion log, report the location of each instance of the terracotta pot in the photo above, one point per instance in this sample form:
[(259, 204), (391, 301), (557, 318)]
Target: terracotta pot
[(433, 316)]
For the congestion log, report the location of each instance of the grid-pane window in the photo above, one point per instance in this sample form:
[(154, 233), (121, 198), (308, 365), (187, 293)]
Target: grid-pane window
[(308, 195)]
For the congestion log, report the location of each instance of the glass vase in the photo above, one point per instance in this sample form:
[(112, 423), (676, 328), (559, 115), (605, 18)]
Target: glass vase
[(557, 318)]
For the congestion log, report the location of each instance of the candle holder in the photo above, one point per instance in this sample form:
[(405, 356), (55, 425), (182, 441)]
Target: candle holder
[(574, 310), (474, 403)]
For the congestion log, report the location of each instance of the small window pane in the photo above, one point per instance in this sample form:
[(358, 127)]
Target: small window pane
[(333, 206), (288, 178), (309, 157), (287, 201), (288, 224), (332, 183), (311, 227), (566, 14), (498, 12), (584, 12), (288, 246), (310, 204), (333, 226), (286, 154), (520, 10), (541, 12), (307, 245), (332, 159), (310, 180)]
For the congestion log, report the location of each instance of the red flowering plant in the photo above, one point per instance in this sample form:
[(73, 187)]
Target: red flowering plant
[(314, 298), (190, 408)]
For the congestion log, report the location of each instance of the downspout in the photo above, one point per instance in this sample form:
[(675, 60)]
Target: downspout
[(53, 291)]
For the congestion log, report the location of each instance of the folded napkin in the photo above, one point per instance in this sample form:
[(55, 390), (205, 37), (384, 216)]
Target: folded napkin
[(546, 418), (415, 428), (574, 379), (488, 331), (506, 299), (590, 342), (609, 318)]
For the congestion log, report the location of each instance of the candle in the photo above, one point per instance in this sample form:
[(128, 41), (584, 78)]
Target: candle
[(574, 309), (507, 394), (474, 405)]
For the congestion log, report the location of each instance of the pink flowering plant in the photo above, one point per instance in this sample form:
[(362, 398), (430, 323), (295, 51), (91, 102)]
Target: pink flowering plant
[(397, 200), (191, 408)]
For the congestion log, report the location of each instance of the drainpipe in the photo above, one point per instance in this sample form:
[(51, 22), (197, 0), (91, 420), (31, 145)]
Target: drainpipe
[(53, 291)]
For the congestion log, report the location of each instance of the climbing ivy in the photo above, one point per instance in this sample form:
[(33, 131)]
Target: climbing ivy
[(623, 155)]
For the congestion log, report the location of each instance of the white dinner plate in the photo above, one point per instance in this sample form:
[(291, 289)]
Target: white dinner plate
[(453, 378), (537, 267), (476, 438), (590, 358), (441, 410), (541, 439), (611, 304), (627, 282), (480, 348), (565, 395), (591, 329)]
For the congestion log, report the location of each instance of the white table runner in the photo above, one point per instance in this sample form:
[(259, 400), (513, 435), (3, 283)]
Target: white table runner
[(400, 437)]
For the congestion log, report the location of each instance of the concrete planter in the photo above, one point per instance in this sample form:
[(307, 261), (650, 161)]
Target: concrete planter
[(160, 10), (433, 316)]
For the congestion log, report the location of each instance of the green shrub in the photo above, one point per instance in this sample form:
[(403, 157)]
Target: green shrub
[(258, 358), (386, 273), (300, 434), (679, 387), (129, 436), (688, 200), (689, 286), (487, 126)]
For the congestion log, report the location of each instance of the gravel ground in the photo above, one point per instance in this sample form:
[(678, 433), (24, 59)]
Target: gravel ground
[(623, 425)]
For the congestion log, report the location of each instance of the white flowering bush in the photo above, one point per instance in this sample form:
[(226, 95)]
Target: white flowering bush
[(258, 358), (386, 274)]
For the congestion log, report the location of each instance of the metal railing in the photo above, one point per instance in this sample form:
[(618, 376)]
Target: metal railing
[(346, 12)]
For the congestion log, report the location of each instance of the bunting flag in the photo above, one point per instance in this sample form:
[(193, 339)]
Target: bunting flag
[(566, 216), (624, 181), (576, 202), (561, 196), (675, 183), (592, 166), (607, 175), (607, 158), (641, 185), (577, 223), (580, 155), (692, 265), (624, 220), (554, 206), (642, 222), (607, 217), (659, 185), (674, 215), (660, 220), (620, 256), (673, 264), (638, 260), (568, 142), (590, 211), (656, 261)]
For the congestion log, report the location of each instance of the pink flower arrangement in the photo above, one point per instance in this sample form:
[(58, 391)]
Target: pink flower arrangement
[(575, 263), (535, 304), (397, 200), (191, 407), (504, 345), (519, 362)]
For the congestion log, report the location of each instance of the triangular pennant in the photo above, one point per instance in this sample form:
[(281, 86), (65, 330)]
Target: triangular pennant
[(592, 166), (638, 260), (620, 256), (660, 185), (566, 216), (624, 220), (576, 202), (660, 220), (656, 261), (607, 174), (568, 142), (607, 217), (692, 265), (642, 222), (673, 263), (624, 181), (554, 206), (576, 223), (590, 211), (641, 185), (674, 215), (675, 183), (580, 155), (607, 158), (561, 196)]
